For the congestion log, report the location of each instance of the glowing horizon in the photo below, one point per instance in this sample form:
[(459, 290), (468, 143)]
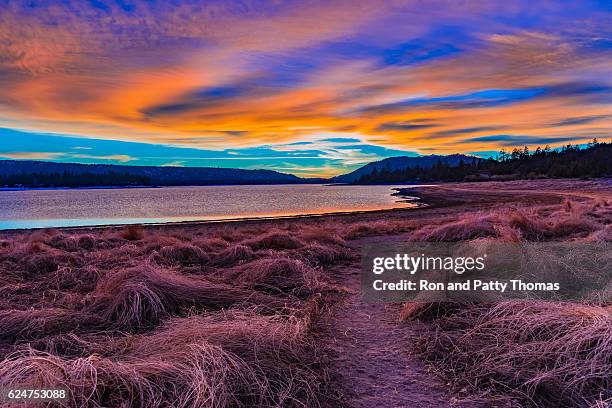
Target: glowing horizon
[(314, 88)]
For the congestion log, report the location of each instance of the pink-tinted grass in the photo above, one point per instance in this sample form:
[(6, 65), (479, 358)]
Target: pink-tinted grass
[(236, 359), (537, 353), (277, 274), (142, 296), (277, 240), (522, 353), (144, 317)]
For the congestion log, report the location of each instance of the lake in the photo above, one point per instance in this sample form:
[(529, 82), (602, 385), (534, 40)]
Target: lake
[(88, 207)]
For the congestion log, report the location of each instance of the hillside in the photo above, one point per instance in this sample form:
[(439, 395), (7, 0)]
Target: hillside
[(51, 174), (393, 164), (571, 161)]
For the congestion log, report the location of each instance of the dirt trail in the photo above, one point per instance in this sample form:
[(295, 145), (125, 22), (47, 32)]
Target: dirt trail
[(368, 348)]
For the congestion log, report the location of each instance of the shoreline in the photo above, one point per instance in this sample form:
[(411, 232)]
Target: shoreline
[(427, 198), (234, 221), (400, 192)]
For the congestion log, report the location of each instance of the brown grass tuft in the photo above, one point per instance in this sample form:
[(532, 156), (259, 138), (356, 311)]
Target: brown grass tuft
[(216, 361), (428, 311), (277, 274), (317, 254), (232, 255), (470, 227), (277, 240), (142, 296), (183, 254), (544, 354), (32, 323), (320, 235), (86, 241), (132, 232)]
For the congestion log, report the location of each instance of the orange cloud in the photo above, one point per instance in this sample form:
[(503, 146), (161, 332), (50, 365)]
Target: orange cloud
[(207, 74)]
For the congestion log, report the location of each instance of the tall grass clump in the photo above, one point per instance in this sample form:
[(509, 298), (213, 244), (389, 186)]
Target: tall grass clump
[(277, 274), (239, 360), (543, 354), (19, 325), (470, 227), (142, 296), (324, 254), (183, 254), (232, 255), (277, 240)]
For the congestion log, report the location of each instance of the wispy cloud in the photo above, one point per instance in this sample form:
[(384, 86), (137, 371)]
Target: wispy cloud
[(519, 140), (121, 158), (30, 155), (176, 163)]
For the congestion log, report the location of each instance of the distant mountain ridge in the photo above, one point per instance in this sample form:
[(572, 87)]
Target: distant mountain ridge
[(34, 173), (42, 173), (570, 161), (403, 162)]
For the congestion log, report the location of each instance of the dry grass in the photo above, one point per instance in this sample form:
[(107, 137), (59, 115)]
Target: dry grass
[(137, 317), (570, 220), (274, 240), (363, 229), (321, 254), (132, 232), (541, 353), (234, 254), (276, 274), (183, 254), (471, 227), (235, 359), (141, 297)]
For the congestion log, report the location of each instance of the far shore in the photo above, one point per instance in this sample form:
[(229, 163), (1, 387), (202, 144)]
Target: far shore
[(72, 188)]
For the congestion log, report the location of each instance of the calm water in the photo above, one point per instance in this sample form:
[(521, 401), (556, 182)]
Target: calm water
[(62, 208)]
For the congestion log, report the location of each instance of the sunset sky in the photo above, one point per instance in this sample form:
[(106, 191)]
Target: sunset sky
[(305, 87)]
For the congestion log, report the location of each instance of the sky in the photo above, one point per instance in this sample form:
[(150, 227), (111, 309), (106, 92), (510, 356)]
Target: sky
[(313, 88)]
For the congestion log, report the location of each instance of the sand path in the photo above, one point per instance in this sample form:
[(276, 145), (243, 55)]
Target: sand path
[(368, 347)]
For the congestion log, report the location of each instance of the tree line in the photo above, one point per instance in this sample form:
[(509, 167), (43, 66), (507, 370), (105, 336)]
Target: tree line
[(72, 179), (592, 160)]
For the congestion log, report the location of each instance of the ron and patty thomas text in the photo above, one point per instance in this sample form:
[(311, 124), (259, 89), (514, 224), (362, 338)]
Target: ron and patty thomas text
[(459, 265)]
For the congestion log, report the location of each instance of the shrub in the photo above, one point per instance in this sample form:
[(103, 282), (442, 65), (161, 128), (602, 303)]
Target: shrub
[(132, 232)]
